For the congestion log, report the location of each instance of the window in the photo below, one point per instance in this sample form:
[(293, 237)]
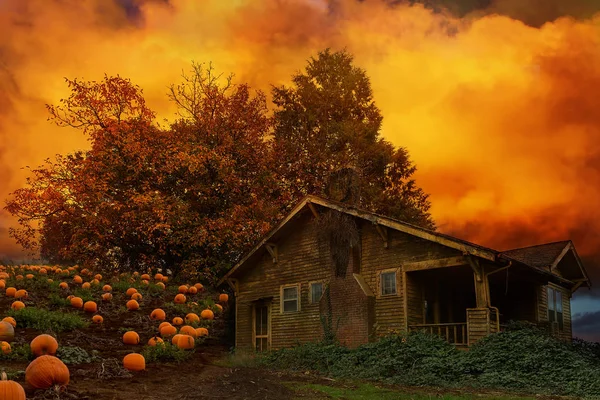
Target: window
[(388, 283), (290, 299), (555, 307), (316, 291)]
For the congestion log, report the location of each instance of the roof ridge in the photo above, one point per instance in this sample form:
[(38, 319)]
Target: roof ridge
[(537, 245)]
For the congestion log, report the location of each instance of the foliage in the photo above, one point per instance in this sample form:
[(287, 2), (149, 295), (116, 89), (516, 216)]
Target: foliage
[(47, 321), (522, 359), (18, 352), (327, 123), (165, 352), (74, 355)]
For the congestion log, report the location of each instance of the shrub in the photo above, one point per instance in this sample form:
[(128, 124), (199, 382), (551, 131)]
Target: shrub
[(45, 320)]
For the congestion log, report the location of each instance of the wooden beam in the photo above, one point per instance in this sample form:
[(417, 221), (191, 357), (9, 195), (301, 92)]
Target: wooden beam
[(560, 256), (577, 285), (437, 263), (482, 288), (313, 210), (363, 285), (272, 249), (383, 233)]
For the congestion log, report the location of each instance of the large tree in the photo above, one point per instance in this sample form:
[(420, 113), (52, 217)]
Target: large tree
[(327, 123), (192, 196)]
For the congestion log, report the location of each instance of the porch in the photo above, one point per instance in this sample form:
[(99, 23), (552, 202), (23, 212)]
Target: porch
[(455, 302)]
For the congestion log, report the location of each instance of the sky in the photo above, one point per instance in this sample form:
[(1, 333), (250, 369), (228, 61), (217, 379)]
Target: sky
[(496, 100)]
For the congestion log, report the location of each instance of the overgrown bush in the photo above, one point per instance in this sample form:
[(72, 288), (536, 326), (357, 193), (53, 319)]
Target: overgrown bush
[(45, 320), (523, 358)]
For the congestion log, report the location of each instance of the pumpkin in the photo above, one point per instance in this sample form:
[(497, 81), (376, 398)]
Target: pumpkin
[(47, 371), (155, 340), (188, 330), (10, 291), (29, 276), (43, 344), (167, 330), (191, 317), (158, 315), (95, 282), (131, 337), (2, 284), (132, 305), (19, 277), (5, 347), (11, 321), (223, 298), (98, 277), (201, 332), (175, 339), (136, 296), (192, 290), (90, 306), (10, 390), (50, 280), (163, 324), (77, 302), (17, 305), (43, 271), (21, 294), (106, 288), (207, 314), (134, 362), (219, 307), (183, 289), (63, 285), (107, 297), (185, 342), (97, 319), (77, 279), (86, 285), (177, 321), (180, 298), (131, 291), (161, 285), (158, 277), (165, 279), (145, 282), (145, 277)]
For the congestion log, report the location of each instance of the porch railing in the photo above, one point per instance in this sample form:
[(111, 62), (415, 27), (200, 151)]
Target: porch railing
[(454, 333)]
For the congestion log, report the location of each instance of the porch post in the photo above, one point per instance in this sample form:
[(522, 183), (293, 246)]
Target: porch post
[(482, 288)]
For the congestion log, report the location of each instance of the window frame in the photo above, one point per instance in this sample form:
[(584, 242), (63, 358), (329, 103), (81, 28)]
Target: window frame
[(298, 298), (380, 282), (310, 291), (553, 308)]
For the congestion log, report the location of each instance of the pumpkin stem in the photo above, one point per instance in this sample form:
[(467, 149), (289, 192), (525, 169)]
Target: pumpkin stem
[(3, 376)]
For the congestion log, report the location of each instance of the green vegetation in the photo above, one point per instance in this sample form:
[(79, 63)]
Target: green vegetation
[(18, 353), (45, 320), (165, 352), (74, 355), (521, 359)]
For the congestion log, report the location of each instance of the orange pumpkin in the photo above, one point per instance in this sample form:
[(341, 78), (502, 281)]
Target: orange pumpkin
[(5, 348), (145, 277), (98, 277), (77, 302), (161, 285), (134, 362), (175, 339), (11, 321), (155, 340), (47, 371), (131, 337), (10, 291), (106, 288), (180, 299), (2, 284), (95, 282), (145, 282), (17, 305), (198, 286), (107, 297), (136, 296), (165, 279), (43, 271), (201, 332), (29, 276), (98, 319), (86, 285), (158, 277), (90, 306), (132, 305), (177, 321), (167, 330), (63, 285), (188, 330), (163, 324), (21, 294), (131, 291), (43, 344), (191, 317), (219, 307), (192, 290), (77, 279), (223, 298), (185, 342), (207, 314), (183, 289), (10, 390), (158, 315)]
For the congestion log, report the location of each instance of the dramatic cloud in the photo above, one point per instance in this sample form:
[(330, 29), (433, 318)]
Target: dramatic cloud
[(498, 109)]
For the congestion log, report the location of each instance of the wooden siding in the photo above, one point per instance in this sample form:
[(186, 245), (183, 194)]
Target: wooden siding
[(478, 324), (542, 298), (299, 262), (402, 248)]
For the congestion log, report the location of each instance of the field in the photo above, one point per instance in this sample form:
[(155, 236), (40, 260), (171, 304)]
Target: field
[(94, 352)]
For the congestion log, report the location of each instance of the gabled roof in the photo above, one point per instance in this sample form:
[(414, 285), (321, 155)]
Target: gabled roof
[(417, 231)]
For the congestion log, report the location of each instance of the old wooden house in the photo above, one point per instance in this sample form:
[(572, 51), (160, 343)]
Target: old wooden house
[(399, 277)]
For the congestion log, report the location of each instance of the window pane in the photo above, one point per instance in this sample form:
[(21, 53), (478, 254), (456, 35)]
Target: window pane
[(257, 319), (550, 299), (265, 322), (290, 305), (388, 283), (551, 315), (317, 291), (559, 317), (558, 301), (290, 293)]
